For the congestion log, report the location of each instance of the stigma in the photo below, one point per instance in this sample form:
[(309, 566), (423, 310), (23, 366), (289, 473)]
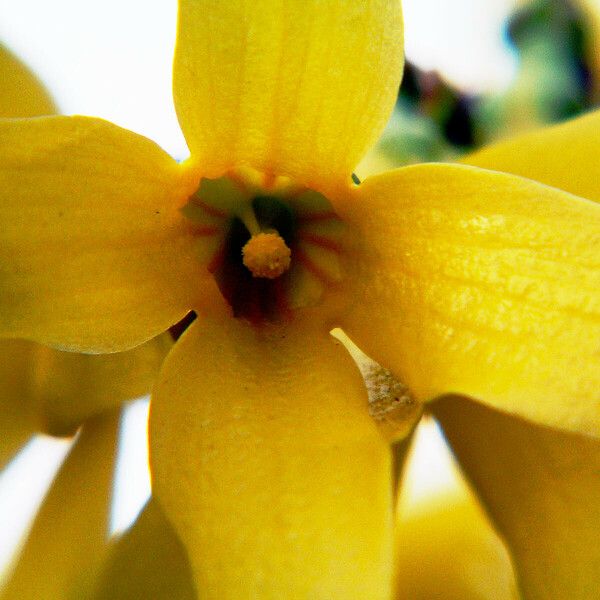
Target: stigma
[(266, 255)]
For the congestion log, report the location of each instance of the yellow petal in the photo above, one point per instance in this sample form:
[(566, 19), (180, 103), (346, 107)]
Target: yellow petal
[(267, 463), (147, 562), (445, 545), (482, 284), (542, 488), (17, 422), (94, 254), (563, 156), (291, 87), (448, 550), (59, 390), (68, 537), (21, 94)]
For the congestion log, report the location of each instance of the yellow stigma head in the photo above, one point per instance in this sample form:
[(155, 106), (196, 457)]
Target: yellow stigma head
[(266, 255)]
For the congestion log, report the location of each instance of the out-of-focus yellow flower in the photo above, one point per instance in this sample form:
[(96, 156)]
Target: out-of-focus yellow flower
[(50, 391), (445, 547), (21, 94), (455, 278), (46, 390), (148, 561)]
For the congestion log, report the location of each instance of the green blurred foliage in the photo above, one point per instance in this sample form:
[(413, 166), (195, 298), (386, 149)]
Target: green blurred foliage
[(554, 79), (434, 121)]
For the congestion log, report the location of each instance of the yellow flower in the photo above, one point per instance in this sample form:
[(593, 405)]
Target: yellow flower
[(46, 390), (457, 279), (51, 391), (22, 95), (445, 545)]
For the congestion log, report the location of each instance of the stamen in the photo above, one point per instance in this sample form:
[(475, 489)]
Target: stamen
[(266, 255)]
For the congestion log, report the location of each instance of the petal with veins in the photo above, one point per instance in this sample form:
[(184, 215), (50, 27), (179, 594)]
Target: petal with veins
[(94, 253), (266, 461), (291, 87), (483, 284)]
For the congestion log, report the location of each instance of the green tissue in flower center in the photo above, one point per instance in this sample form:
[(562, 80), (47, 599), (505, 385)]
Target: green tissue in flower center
[(272, 247)]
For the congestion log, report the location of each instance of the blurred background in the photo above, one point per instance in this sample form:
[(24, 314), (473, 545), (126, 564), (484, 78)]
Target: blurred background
[(476, 70)]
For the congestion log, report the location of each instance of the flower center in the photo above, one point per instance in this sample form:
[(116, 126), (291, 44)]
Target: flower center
[(273, 247), (266, 255)]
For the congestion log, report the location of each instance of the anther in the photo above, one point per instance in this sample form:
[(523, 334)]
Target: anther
[(266, 255)]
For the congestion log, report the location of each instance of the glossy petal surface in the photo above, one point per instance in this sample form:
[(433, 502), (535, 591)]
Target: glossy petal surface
[(59, 390), (94, 254), (267, 463), (480, 283), (291, 87), (542, 488), (148, 561), (563, 156), (69, 534), (21, 93)]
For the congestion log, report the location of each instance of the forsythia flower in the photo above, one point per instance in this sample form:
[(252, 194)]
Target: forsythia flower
[(54, 392), (457, 279), (445, 546), (44, 389), (22, 95)]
